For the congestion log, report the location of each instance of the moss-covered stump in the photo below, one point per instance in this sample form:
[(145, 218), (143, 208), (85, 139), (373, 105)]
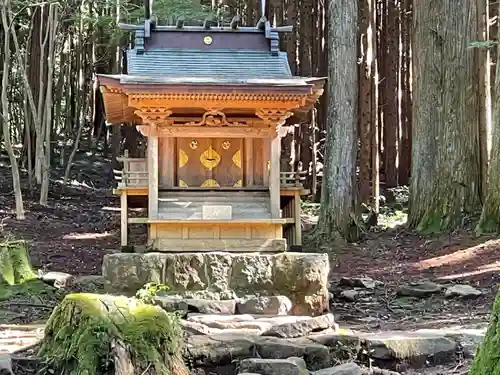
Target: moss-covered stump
[(487, 360), (15, 265), (89, 334)]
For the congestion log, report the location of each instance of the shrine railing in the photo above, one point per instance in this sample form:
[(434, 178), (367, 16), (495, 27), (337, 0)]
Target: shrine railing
[(135, 174)]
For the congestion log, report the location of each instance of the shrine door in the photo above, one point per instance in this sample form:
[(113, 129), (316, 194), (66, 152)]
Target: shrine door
[(209, 162)]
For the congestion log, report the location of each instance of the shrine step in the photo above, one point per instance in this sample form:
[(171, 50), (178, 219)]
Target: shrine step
[(190, 206), (232, 245)]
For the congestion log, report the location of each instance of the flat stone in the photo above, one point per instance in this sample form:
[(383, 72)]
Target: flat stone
[(420, 289), (219, 349), (349, 295), (316, 356), (259, 326), (208, 319), (302, 328), (301, 277), (194, 328), (359, 282), (205, 306), (291, 366), (277, 320), (413, 347), (273, 305), (462, 291), (345, 369), (345, 347), (469, 339)]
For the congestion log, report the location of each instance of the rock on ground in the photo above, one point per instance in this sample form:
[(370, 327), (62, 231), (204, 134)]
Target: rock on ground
[(359, 282), (273, 305), (345, 369), (462, 291), (303, 327), (301, 277), (289, 366), (414, 348), (419, 289)]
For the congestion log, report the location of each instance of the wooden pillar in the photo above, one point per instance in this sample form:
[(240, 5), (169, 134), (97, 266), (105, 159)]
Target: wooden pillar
[(248, 165), (123, 218), (153, 174), (296, 214), (274, 177)]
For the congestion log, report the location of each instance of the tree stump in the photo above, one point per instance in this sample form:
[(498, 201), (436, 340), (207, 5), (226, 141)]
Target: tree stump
[(91, 334)]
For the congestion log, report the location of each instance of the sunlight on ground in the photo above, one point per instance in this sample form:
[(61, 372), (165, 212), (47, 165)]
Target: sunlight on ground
[(487, 268), (85, 236), (14, 338), (456, 257), (112, 209), (462, 257)]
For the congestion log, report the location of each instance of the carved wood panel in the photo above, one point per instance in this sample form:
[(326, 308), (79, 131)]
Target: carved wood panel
[(209, 162)]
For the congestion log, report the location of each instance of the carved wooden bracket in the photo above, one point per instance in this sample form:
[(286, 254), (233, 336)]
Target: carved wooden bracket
[(275, 118), (214, 117), (154, 116)]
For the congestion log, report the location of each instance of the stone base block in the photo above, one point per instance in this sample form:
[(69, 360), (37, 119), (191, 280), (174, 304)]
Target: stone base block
[(303, 277)]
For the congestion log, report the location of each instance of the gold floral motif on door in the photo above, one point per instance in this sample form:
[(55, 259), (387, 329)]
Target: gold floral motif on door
[(206, 162)]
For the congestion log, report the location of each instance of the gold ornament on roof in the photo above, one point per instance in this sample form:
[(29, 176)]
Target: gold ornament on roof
[(226, 145)]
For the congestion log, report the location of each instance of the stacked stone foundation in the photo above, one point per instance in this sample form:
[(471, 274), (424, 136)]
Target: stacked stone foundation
[(302, 277)]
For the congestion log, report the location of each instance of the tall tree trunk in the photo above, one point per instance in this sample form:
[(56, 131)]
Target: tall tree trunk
[(405, 136), (337, 218), (391, 121), (16, 180), (365, 100), (446, 174), (490, 216)]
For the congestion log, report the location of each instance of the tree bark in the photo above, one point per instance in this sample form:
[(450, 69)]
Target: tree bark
[(337, 218), (446, 174), (391, 118), (16, 180), (365, 100), (490, 216)]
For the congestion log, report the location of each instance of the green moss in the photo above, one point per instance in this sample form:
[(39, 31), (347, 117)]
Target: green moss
[(487, 360), (15, 266), (82, 329)]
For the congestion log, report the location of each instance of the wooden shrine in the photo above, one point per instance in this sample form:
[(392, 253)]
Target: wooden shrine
[(213, 103)]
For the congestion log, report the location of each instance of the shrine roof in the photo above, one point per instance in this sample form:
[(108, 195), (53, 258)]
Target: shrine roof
[(210, 83), (217, 63)]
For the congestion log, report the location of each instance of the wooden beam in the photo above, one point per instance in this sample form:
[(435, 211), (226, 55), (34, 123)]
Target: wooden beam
[(210, 132), (124, 218), (248, 164), (274, 177), (153, 177), (297, 212)]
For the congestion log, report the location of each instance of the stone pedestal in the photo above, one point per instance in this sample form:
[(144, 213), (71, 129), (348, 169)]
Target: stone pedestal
[(303, 277)]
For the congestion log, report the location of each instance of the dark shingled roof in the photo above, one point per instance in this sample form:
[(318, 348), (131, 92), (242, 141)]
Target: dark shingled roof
[(170, 62)]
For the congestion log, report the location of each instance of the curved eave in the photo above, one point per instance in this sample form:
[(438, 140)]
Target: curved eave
[(301, 93)]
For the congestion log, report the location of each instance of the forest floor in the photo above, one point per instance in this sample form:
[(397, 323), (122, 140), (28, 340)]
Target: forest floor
[(81, 224)]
